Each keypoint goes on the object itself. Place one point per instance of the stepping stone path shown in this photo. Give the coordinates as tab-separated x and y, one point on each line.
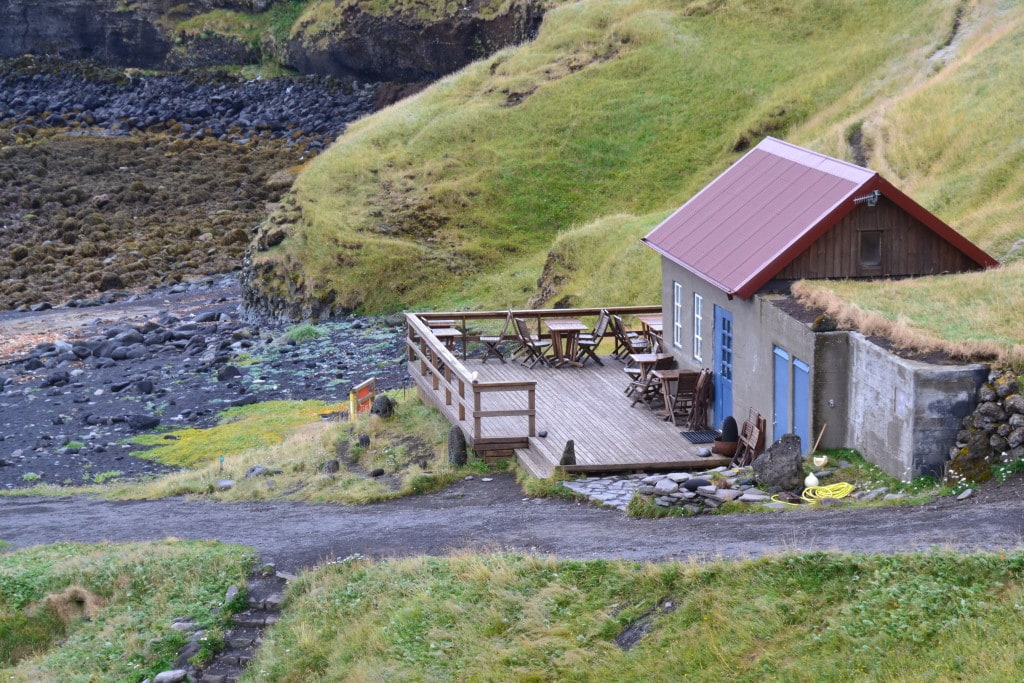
265	593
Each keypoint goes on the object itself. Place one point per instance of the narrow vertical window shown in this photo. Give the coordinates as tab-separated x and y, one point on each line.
677	315
698	327
870	249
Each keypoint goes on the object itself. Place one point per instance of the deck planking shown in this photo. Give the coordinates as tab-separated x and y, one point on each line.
587	405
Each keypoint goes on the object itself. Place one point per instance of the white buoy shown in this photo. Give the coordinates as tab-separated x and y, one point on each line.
810	480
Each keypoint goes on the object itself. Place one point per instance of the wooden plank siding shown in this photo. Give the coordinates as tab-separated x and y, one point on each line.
908	248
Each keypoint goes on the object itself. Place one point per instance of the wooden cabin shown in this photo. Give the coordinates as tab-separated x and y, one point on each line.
784	213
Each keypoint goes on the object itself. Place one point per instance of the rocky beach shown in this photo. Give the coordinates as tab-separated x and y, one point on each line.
116	180
76	383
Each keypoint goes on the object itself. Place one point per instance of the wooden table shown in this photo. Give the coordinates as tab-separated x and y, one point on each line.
646	363
565	332
448	335
653	327
666	377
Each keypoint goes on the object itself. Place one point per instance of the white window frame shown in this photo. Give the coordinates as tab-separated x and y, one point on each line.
698	327
677	315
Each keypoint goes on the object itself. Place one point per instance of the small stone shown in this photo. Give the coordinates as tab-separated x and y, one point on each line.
231	593
172	676
224	484
665	487
678	477
695	483
965	494
873	494
379	472
257	471
749	497
331	466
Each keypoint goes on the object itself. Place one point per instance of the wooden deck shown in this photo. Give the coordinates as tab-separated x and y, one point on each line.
588	406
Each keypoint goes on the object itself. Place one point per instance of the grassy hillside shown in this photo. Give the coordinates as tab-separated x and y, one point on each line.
818	617
564	151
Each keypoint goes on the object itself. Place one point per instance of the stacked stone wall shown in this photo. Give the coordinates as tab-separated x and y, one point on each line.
993	433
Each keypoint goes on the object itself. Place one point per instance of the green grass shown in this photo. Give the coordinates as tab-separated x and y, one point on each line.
815	617
275	23
290	440
556	156
301	333
241	429
77	612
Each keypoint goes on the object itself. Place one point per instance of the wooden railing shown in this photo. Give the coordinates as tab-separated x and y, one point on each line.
462	320
436	369
458	392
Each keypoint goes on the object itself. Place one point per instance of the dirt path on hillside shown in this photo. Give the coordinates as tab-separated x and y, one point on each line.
495	516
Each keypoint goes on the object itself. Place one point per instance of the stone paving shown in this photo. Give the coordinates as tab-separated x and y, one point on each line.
696	492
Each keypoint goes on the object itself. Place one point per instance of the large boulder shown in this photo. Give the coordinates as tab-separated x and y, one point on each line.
781	467
383	406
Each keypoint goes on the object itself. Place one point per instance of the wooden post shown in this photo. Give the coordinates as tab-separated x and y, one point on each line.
531	404
462	400
476	414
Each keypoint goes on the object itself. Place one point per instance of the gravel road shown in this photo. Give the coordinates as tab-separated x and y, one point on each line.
495	516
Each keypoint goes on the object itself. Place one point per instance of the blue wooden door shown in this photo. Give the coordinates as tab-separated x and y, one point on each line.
723	366
780	393
801	403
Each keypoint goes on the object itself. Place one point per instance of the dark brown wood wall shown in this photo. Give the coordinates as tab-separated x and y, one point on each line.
908	248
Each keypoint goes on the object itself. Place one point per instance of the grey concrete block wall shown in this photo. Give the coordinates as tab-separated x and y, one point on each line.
903	415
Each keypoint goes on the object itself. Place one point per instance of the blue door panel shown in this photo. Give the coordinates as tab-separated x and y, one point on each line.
723	366
802	403
780	412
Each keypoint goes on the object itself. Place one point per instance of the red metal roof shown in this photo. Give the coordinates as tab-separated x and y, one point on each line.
767	208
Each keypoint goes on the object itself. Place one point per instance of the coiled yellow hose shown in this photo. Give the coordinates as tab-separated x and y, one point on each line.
814	494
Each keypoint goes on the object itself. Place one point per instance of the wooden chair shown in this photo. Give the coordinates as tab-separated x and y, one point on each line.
646	387
702	394
589	341
683	399
751	443
533	349
492	343
627	341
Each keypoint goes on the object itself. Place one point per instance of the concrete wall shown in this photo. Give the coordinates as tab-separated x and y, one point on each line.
903	415
900	414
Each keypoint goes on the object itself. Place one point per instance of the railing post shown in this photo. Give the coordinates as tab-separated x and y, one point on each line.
462	400
531	404
447	385
476	412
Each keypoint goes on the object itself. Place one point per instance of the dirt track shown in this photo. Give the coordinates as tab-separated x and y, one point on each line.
479	515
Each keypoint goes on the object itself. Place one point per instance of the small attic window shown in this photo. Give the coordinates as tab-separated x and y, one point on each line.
870	249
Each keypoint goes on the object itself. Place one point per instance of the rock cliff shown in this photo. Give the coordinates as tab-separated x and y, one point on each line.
349	39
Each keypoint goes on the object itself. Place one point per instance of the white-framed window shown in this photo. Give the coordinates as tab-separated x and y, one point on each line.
677	315
698	326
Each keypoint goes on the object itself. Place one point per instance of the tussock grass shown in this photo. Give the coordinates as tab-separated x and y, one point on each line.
103	612
815	617
617	109
293	443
